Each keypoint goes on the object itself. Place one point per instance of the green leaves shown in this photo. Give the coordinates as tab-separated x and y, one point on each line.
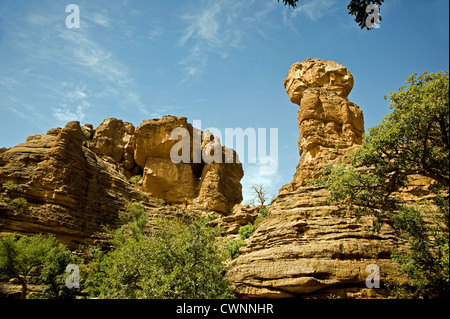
246	231
359	192
413	139
358	9
355	7
426	263
38	256
176	260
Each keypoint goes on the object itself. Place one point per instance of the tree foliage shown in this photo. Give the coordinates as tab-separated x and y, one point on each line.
39	258
355	7
412	139
177	260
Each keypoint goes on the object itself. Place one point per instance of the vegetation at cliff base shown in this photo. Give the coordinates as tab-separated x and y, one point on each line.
37	260
176	260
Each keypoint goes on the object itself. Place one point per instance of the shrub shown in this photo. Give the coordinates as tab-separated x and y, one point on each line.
177	260
246	231
263	212
10	185
160	201
135	179
19	203
87	135
233	247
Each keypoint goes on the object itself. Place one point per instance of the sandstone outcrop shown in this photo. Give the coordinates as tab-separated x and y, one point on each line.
330	126
212	186
161	177
70	191
300	249
112	138
76	179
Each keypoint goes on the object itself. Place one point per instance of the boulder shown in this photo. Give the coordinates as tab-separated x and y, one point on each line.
111	138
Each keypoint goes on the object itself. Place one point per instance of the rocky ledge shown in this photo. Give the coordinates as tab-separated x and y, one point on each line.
73	180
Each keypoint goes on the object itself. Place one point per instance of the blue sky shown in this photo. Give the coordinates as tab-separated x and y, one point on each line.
222	62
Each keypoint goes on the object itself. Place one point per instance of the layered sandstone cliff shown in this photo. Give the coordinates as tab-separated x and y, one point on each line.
76	179
300	249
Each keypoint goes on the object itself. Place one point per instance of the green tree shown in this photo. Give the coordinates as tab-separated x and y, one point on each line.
355	7
412	139
39	257
53	274
175	260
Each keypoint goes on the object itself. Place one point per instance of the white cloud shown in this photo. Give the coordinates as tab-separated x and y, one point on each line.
95	75
316	9
155	32
66	114
205	27
217	27
101	19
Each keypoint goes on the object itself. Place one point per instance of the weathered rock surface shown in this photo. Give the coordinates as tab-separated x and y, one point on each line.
70	191
76	179
112	138
240	216
220	187
214	186
330	125
300	249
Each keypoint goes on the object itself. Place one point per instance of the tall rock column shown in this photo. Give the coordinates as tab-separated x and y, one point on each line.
330	126
300	249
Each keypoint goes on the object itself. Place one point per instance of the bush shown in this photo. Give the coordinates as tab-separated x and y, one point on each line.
246	231
176	260
135	179
19	203
10	185
233	247
87	135
263	212
161	201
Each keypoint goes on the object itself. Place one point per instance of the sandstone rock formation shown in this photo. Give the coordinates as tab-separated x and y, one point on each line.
300	249
214	186
330	126
70	191
162	178
112	138
76	179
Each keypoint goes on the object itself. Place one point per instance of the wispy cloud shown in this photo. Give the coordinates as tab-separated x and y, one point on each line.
86	71
155	32
218	27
